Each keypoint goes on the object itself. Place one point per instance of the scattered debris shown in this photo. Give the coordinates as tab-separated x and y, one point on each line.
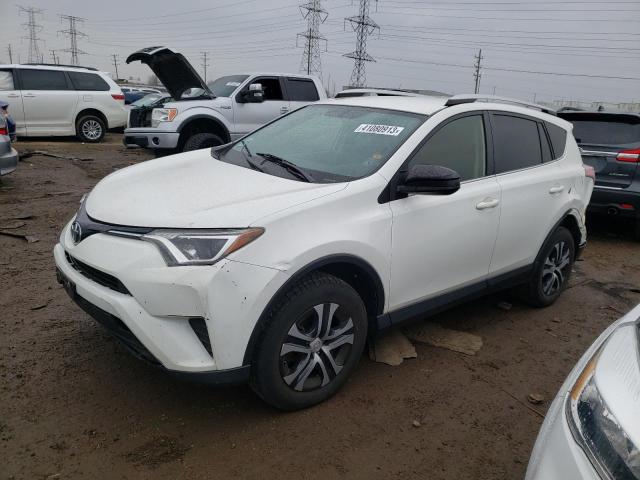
555	319
44	153
12	225
27	238
416	423
506	306
634	290
392	349
24	216
40	306
535	398
433	334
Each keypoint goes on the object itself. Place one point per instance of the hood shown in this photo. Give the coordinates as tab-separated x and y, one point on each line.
194	190
172	69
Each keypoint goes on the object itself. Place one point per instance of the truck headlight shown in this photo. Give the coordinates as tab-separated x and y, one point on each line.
200	247
162	115
597	430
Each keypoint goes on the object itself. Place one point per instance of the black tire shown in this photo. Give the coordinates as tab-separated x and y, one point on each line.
636	230
278	376
552	269
90	129
201	140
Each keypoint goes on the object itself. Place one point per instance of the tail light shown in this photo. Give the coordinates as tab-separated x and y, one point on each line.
4	130
631	156
118	96
589	172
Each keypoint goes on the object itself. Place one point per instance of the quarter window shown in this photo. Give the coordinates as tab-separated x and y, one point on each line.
458	145
6	80
301	90
516	143
35	79
558	138
88	82
544	143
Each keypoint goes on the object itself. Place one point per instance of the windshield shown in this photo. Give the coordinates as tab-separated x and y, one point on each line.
225	86
331	143
147	100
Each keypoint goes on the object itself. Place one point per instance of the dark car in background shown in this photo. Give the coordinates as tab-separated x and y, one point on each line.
610	143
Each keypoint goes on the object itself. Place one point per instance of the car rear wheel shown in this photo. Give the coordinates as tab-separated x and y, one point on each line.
90	129
202	140
552	269
314	339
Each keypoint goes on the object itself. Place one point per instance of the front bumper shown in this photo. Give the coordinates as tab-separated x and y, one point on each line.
8	162
150	138
605	201
154	314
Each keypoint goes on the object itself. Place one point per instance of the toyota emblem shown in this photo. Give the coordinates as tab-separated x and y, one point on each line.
76	232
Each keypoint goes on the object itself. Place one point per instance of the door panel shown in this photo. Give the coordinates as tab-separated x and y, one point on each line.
10	93
442	243
250	116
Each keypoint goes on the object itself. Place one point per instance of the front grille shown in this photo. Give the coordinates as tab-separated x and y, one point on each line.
96	275
199	327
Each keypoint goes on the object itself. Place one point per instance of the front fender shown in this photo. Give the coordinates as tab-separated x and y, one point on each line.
184	117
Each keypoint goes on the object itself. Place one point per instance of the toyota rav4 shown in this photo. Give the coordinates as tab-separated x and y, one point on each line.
272	259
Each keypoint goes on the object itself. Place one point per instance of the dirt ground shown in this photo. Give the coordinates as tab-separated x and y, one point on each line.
74	405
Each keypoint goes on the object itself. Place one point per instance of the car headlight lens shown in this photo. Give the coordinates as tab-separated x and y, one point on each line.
595	427
162	115
200	247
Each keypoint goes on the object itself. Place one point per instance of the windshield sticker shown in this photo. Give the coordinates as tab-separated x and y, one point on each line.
379	129
233	84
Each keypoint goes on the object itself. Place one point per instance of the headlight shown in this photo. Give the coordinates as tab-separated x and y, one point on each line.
162	115
200	247
595	427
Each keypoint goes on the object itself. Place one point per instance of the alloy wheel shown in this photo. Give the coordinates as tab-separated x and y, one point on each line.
554	270
316	347
92	129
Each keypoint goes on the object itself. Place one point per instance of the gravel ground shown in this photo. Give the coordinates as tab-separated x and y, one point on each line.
73	404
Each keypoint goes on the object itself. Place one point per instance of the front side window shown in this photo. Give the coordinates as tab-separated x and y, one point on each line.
88	82
332	143
225	86
35	79
271	88
516	143
458	145
6	80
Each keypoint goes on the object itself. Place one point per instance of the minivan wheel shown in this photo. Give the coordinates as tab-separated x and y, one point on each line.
313	341
90	129
552	269
201	140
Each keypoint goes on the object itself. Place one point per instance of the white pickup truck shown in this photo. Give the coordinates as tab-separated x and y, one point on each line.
208	115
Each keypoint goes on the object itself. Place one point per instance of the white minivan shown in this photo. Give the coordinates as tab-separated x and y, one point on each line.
57	100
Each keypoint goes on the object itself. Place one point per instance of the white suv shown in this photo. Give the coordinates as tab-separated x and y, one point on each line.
273	258
56	100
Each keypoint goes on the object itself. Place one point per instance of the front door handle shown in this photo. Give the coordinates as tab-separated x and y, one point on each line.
284	109
13	95
487	203
556	189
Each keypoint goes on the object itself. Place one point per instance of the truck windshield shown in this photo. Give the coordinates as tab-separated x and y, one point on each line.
225	86
331	143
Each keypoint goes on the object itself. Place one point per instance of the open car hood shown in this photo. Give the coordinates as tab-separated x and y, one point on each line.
172	69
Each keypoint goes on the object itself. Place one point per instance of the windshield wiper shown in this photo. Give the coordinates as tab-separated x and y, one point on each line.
248	155
287	165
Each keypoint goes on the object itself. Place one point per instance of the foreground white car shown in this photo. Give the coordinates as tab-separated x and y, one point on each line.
592	429
272	258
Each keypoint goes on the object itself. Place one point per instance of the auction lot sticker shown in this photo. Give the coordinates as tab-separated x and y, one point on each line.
379	129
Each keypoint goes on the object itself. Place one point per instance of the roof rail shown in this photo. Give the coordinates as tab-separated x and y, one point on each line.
471	98
60	65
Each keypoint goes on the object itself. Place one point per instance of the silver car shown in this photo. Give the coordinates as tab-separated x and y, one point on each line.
592	429
8	155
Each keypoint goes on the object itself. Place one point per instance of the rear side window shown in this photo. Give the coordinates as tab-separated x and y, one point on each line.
558	137
6	80
301	90
88	82
516	143
603	129
458	145
32	79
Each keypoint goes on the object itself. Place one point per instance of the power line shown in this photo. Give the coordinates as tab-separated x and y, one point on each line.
73	34
54	57
33	29
10	52
477	74
314	14
115	64
203	56
364	26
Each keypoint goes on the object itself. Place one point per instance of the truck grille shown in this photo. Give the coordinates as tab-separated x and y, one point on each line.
96	275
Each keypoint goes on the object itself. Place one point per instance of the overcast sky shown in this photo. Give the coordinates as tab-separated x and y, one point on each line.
422	44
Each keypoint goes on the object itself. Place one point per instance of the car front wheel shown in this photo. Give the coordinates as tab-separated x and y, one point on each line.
313	341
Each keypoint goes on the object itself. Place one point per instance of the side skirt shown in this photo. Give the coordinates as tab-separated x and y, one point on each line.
432	306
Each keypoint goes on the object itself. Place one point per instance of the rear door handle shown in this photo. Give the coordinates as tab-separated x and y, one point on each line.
556	189
487	203
28	95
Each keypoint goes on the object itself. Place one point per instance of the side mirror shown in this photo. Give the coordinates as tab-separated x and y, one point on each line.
255	94
430	179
